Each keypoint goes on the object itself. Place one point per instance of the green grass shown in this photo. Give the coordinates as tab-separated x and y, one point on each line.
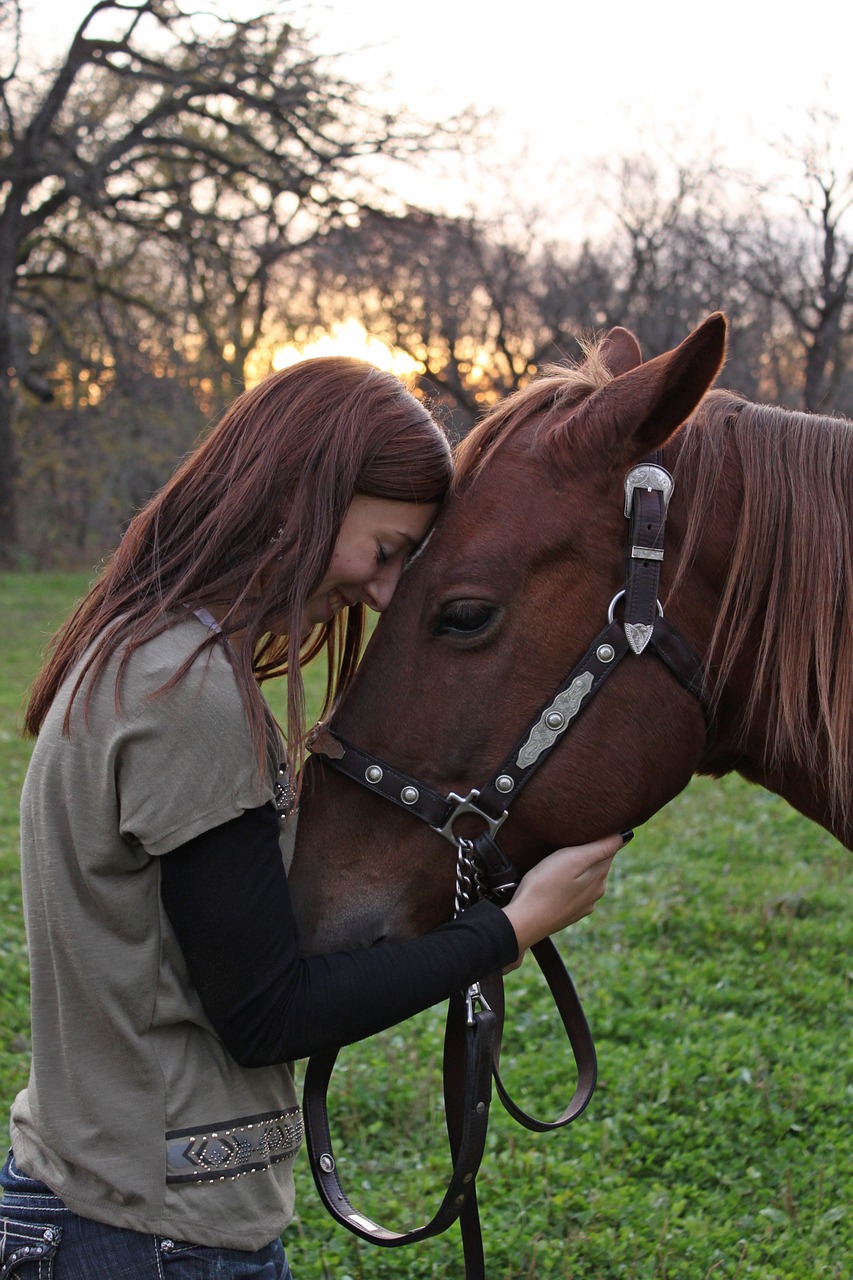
31	608
716	975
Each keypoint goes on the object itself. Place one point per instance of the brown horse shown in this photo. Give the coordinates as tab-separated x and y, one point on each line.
516	582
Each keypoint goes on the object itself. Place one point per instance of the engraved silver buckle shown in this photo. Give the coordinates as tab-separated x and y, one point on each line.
647	476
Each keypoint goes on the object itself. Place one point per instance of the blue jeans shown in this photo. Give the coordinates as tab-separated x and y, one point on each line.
41	1239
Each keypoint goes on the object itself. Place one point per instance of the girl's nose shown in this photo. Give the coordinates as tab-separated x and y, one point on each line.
378	592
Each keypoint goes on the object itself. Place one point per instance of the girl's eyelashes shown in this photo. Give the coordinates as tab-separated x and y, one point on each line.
382	554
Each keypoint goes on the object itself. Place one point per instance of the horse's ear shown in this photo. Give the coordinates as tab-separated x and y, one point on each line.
639	410
620	351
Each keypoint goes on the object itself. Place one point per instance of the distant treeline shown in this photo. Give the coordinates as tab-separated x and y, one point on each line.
173	210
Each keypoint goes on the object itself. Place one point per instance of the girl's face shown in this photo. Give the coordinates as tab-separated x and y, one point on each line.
375	540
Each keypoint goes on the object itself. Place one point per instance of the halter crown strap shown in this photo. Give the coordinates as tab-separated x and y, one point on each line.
648	488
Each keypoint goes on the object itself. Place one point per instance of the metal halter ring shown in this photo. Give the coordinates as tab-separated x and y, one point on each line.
465	804
611	608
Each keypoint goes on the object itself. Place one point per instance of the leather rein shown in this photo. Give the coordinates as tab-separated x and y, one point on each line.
475	1017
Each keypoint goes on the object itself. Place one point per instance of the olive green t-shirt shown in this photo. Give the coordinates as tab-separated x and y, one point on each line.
135	1114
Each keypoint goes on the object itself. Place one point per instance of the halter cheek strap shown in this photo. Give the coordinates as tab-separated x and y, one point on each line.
647	492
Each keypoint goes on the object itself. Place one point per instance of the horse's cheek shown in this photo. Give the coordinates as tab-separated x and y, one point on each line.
662	744
614	772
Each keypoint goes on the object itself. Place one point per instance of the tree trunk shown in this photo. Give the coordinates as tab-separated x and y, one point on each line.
8	461
820	356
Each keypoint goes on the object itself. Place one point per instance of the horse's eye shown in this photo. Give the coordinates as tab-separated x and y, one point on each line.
464	618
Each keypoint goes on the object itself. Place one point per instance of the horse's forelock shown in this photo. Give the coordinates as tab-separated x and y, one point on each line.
538	406
790	576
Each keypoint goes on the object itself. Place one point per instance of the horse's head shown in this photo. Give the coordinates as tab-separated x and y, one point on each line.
513	586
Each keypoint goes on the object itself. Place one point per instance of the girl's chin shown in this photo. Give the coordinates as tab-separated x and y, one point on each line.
319	612
316	618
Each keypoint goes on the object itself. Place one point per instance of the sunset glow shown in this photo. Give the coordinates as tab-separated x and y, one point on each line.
350	338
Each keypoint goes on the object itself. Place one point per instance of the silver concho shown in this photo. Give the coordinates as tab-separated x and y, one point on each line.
567	704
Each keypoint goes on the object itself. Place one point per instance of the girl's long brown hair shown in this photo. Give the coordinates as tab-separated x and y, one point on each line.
248	523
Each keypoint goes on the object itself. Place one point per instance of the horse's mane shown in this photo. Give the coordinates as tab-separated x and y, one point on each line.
545	398
790	576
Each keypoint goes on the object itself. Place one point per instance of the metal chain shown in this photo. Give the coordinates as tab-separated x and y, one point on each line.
470	883
470	887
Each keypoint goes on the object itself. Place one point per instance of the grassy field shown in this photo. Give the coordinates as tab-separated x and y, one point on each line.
716	975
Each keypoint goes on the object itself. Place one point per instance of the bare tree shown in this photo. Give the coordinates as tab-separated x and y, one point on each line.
661	210
800	263
225	142
479	306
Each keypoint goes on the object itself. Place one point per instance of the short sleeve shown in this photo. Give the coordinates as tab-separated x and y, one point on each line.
184	760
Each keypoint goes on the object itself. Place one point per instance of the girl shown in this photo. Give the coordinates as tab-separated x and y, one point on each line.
157	1133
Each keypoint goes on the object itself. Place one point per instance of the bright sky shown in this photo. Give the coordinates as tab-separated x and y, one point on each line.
571	83
575	81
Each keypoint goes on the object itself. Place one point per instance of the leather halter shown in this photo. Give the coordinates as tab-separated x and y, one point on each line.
472	1046
647	492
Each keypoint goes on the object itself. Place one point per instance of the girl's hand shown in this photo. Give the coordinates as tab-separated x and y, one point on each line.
561	889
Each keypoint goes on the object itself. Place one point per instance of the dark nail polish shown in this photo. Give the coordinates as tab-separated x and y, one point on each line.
627	837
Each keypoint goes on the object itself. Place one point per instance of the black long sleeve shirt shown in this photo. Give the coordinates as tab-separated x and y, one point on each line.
226	895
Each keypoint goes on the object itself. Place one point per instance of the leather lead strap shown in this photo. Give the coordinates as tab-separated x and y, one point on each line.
579	1035
472	1055
469	1050
456	1068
